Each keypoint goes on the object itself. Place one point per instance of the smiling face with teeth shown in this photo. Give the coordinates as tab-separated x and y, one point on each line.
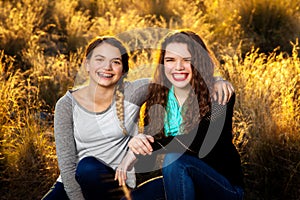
177	64
105	65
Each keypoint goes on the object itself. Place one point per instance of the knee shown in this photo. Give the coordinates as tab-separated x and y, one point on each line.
86	169
174	159
172	163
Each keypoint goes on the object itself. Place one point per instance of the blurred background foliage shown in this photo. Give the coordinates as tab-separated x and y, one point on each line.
255	41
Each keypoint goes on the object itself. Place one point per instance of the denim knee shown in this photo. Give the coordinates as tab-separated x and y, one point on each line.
86	170
171	158
172	163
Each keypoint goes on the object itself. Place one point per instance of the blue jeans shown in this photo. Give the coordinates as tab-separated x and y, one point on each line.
96	180
152	189
188	177
57	192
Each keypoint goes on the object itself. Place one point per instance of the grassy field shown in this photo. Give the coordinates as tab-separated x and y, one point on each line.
256	42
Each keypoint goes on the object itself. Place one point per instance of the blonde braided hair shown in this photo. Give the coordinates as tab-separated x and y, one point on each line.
120	106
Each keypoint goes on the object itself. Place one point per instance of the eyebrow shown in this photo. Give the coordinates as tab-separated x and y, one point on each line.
182	57
98	55
101	56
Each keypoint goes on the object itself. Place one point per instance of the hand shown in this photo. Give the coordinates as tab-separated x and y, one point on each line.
222	92
140	144
126	165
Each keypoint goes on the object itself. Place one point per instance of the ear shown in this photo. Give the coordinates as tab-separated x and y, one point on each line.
124	73
86	65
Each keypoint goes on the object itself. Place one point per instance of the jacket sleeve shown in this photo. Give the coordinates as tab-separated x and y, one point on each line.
65	146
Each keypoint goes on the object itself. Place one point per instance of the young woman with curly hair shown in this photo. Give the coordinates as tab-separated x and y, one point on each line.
184	123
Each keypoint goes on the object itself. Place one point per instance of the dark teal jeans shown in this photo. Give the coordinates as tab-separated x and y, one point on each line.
187	177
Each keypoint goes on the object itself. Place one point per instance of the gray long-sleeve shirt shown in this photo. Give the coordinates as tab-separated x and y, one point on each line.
80	133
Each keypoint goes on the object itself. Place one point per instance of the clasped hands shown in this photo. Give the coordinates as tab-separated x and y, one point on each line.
139	144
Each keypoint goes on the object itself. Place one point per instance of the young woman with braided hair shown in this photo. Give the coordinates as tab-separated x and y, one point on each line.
93	125
193	131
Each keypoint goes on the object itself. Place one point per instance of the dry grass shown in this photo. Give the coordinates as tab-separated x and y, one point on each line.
42	42
257	16
27	157
266	121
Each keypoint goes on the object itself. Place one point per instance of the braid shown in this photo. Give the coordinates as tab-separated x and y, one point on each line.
120	106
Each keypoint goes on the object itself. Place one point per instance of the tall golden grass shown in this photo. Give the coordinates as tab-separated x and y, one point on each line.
41	46
266	121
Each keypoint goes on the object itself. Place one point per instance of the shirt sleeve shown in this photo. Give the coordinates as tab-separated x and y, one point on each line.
136	91
65	146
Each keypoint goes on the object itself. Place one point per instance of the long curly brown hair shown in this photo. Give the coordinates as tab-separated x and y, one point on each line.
198	102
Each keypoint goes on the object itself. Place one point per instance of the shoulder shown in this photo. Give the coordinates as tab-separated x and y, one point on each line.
66	98
65	101
63	110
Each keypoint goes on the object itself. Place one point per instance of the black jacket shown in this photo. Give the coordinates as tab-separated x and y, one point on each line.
210	141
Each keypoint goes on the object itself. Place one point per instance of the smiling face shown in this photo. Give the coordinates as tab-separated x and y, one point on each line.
177	62
105	65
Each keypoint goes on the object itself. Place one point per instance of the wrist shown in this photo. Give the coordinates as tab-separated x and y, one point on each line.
131	155
218	78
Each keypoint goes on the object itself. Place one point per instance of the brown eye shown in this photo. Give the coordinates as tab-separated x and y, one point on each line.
116	62
100	60
169	60
188	60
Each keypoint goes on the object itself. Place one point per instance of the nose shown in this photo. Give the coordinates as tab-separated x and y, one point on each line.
179	65
107	65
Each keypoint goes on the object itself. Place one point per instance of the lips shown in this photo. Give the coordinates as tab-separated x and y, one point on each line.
180	76
104	75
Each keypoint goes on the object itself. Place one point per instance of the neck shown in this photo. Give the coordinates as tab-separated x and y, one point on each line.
181	94
101	95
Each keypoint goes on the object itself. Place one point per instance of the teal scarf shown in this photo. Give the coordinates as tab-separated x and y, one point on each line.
173	118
